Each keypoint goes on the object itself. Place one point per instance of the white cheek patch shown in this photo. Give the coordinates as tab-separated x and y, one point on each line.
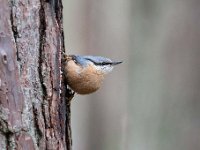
105	69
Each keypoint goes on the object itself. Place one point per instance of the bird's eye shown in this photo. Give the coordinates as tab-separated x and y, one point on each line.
74	60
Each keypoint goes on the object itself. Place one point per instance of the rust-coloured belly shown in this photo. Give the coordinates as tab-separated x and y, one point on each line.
83	80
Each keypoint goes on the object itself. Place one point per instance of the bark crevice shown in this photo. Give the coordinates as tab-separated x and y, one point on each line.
9	140
14	29
42	34
38	132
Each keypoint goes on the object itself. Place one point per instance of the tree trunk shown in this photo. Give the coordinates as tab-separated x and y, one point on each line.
34	101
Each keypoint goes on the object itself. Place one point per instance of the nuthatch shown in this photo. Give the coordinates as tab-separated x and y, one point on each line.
85	73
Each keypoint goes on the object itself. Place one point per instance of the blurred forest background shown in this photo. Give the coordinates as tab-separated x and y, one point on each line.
152	100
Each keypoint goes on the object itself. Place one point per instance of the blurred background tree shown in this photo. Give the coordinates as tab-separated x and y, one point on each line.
151	101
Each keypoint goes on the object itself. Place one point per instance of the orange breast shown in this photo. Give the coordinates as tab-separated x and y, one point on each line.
83	80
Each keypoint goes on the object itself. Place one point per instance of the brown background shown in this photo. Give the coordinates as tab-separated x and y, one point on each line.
151	101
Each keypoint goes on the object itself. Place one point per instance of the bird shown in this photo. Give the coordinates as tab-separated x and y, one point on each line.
85	74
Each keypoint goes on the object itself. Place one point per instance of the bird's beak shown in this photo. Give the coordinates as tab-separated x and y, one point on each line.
116	62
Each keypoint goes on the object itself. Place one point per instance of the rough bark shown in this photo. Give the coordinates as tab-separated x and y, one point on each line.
34	101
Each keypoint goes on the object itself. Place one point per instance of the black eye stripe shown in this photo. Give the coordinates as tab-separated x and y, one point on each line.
101	63
106	63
